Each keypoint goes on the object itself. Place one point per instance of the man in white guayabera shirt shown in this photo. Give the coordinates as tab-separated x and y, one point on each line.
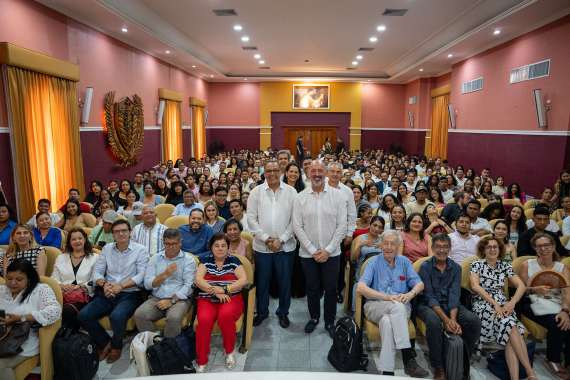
320	225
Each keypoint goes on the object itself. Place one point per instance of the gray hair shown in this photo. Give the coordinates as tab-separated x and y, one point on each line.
334	164
172	233
188	191
391	233
148	207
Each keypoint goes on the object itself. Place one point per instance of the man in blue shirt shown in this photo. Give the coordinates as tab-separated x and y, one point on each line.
118	273
389	283
170	275
196	234
220	197
6	224
439	305
188	205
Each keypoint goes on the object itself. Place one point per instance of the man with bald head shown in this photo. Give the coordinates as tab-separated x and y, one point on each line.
149	232
320	225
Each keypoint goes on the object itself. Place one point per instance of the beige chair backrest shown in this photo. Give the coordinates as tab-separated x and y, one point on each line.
517	262
164	211
52	253
465	272
418	264
176	221
90	220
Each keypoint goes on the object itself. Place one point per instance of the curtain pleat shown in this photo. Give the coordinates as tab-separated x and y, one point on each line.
198	131
172	131
439	126
44	120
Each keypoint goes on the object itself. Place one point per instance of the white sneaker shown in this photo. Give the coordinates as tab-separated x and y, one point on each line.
230	361
201	368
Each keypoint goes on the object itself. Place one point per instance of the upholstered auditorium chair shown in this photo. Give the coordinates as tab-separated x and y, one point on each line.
90	220
164	211
51	253
529	213
176	221
421	326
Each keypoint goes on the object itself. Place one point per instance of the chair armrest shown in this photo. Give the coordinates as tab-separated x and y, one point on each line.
47	335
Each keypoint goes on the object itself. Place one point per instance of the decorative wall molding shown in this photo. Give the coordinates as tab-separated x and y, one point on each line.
511	132
99	128
395	129
236	126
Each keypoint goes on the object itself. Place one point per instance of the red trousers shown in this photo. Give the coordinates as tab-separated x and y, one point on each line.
226	314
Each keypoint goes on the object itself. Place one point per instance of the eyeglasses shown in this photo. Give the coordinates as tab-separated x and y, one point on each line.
126	231
491	247
544	246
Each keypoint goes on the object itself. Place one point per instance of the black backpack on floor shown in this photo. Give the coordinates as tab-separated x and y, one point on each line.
346	353
170	356
456	357
74	355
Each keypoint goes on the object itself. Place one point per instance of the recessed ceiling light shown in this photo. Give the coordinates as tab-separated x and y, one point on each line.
244	78
194	66
359	57
381	28
497	32
421	69
211	75
262	62
167	51
245	38
354	63
373	39
450	55
124	29
257	56
237	27
368	80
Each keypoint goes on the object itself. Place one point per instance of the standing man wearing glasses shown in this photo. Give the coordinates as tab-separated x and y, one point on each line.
118	273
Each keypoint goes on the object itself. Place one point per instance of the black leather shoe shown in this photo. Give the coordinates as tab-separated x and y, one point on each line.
310	326
330	329
258	320
339	298
284	321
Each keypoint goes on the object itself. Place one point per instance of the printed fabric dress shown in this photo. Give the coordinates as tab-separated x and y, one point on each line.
493	280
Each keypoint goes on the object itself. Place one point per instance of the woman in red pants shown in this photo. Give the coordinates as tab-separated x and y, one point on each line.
220	278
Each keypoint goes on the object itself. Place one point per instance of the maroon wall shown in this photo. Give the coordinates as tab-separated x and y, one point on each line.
340	120
532	160
6	174
234	138
410	140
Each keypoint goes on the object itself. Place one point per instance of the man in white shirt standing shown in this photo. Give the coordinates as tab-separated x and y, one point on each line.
334	173
149	232
269	217
463	244
320	225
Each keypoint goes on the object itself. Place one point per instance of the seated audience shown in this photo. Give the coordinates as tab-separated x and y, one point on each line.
23	298
149	232
552	224
516	220
94	195
44	233
499	323
499	187
541	218
362	223
120	196
119	271
212	218
479	226
501	232
372	197
104	206
238	245
234	191
415	242
463	243
44	205
149	197
126	210
223	205
386	206
421	201
73	270
73	216
439	305
169	276
176	194
8	222
205	193
397	218
549	307
436	197
196	234
452	210
292	177
220	278
238	213
101	234
514	192
404	195
564	210
161	187
435	225
388	302
189	203
74	194
24	246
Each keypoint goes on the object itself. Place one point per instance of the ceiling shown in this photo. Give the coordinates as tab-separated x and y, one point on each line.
313	39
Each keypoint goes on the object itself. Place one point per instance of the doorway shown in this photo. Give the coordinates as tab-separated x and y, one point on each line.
313	138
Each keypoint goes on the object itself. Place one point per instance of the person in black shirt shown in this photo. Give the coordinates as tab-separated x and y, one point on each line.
222	204
452	210
541	218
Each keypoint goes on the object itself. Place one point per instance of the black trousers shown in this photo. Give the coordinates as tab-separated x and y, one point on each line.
321	277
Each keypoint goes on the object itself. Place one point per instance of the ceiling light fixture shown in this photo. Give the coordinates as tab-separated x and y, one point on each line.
237	27
244	78
421	69
194	66
257	56
124	29
354	63
359	57
373	39
211	75
450	55
167	51
381	28
245	38
497	32
262	62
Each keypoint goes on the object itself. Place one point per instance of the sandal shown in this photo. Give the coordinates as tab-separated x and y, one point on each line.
556	369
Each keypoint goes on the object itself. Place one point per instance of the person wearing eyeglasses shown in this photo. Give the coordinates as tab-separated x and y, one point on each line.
119	271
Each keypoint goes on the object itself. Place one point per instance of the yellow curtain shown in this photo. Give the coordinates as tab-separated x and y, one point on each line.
198	131
44	123
439	125
171	131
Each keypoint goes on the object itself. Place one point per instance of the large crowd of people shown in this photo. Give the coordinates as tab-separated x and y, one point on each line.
306	219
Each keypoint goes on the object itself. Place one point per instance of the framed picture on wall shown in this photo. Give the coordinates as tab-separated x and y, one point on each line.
311	96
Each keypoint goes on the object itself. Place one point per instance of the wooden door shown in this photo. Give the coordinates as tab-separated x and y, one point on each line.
313	138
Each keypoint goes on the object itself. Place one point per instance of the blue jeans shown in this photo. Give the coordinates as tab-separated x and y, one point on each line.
119	310
280	263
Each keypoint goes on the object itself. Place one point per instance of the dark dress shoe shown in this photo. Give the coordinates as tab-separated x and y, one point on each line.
258	320
310	326
284	321
330	329
414	370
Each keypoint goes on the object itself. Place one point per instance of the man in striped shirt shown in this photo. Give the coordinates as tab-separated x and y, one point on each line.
149	232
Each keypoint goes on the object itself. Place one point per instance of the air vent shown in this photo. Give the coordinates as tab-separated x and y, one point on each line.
472	86
264	67
394	12
365	49
249	47
532	71
225	12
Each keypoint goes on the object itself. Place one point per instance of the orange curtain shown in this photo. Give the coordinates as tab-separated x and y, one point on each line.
198	131
44	124
439	125
171	131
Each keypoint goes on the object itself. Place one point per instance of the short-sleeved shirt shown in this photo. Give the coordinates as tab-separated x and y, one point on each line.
6	231
219	277
382	277
29	254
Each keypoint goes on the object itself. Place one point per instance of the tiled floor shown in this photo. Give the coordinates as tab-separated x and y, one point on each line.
274	348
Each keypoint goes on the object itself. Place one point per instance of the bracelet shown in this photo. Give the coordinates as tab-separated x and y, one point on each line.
225	289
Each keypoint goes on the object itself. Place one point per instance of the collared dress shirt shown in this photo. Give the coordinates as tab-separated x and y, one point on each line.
441	289
462	248
382	277
179	284
151	237
115	266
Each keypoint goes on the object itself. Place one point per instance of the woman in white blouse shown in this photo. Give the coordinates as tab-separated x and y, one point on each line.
23	298
73	271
